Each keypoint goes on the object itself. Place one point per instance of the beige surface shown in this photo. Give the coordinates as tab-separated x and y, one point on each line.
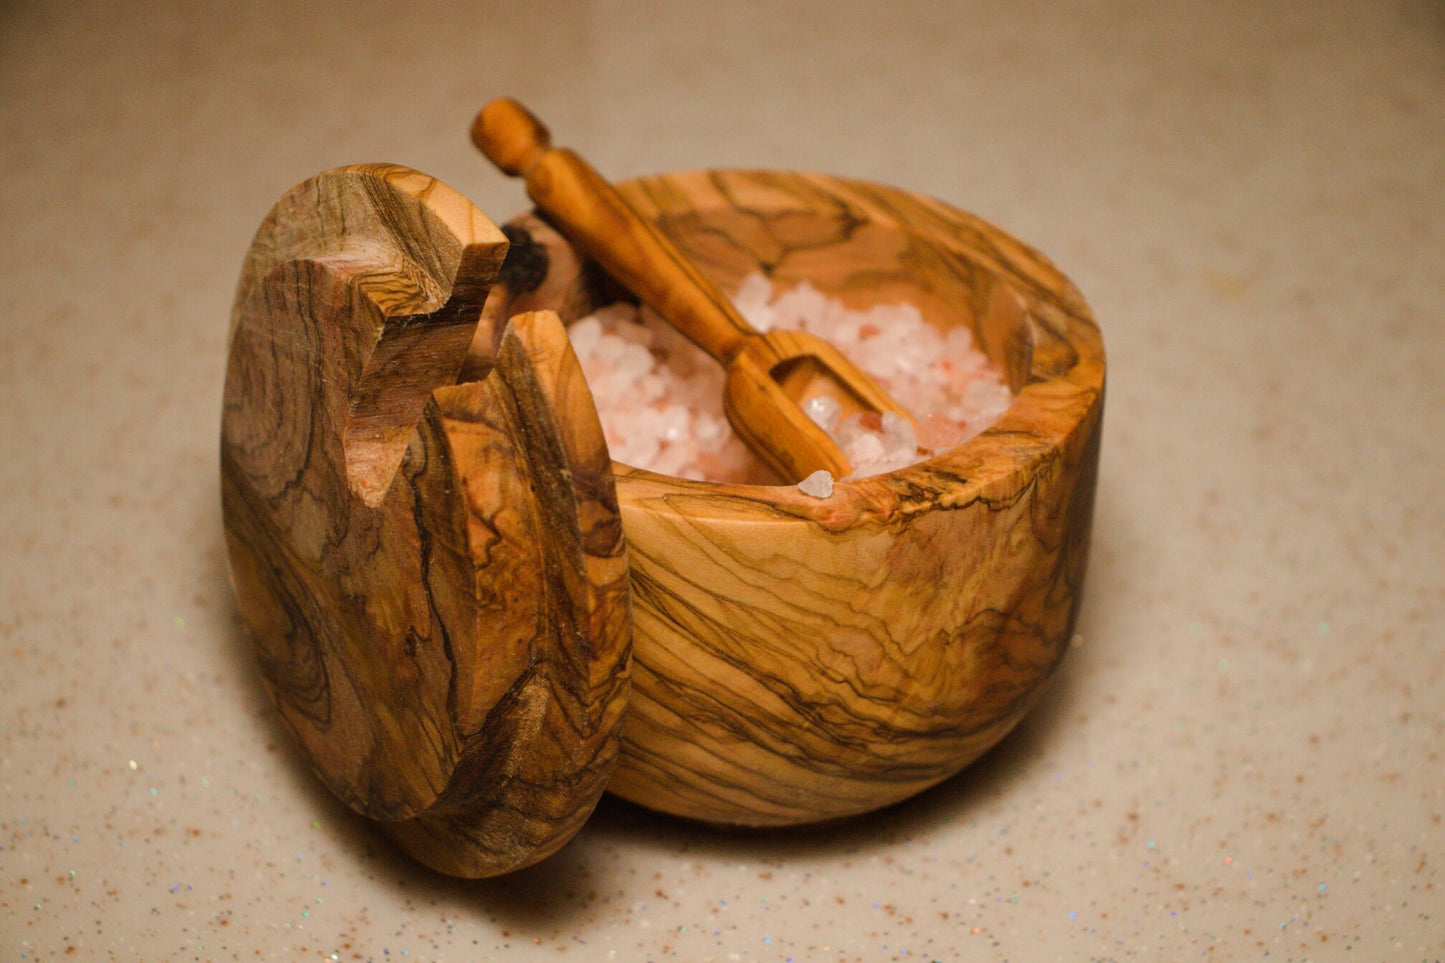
1241	760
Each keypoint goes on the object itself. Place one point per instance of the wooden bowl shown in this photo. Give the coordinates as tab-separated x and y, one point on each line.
796	659
472	621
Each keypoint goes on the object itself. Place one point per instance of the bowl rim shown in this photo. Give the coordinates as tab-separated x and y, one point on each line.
1063	384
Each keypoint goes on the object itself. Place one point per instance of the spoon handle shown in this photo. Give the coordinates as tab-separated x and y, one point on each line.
590	212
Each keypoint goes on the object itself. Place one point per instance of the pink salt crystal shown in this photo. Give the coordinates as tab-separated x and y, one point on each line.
823	411
898	435
709	433
848	430
819	484
751	300
633	361
988	399
958	340
862	450
675	425
938	433
674	459
636	450
795	307
584	335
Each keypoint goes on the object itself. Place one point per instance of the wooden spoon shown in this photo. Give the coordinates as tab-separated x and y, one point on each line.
769	374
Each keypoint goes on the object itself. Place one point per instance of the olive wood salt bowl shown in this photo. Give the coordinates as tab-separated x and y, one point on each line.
473	622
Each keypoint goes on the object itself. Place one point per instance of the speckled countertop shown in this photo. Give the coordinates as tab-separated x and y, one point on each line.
1240	761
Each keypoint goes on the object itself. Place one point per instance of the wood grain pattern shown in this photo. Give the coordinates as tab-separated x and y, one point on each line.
797	659
434	575
768	374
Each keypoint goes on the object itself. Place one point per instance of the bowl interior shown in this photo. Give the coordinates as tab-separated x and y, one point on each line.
863	264
864	245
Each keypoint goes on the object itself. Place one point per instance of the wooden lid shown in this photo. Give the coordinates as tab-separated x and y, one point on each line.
433	575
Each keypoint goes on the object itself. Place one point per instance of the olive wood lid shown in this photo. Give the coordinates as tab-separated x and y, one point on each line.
433	575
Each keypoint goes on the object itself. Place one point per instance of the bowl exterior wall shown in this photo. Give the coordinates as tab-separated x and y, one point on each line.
799	660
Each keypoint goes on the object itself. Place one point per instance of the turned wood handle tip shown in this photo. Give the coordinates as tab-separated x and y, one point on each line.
510	136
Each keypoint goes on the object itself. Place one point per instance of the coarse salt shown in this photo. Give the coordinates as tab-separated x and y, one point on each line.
819	484
660	397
